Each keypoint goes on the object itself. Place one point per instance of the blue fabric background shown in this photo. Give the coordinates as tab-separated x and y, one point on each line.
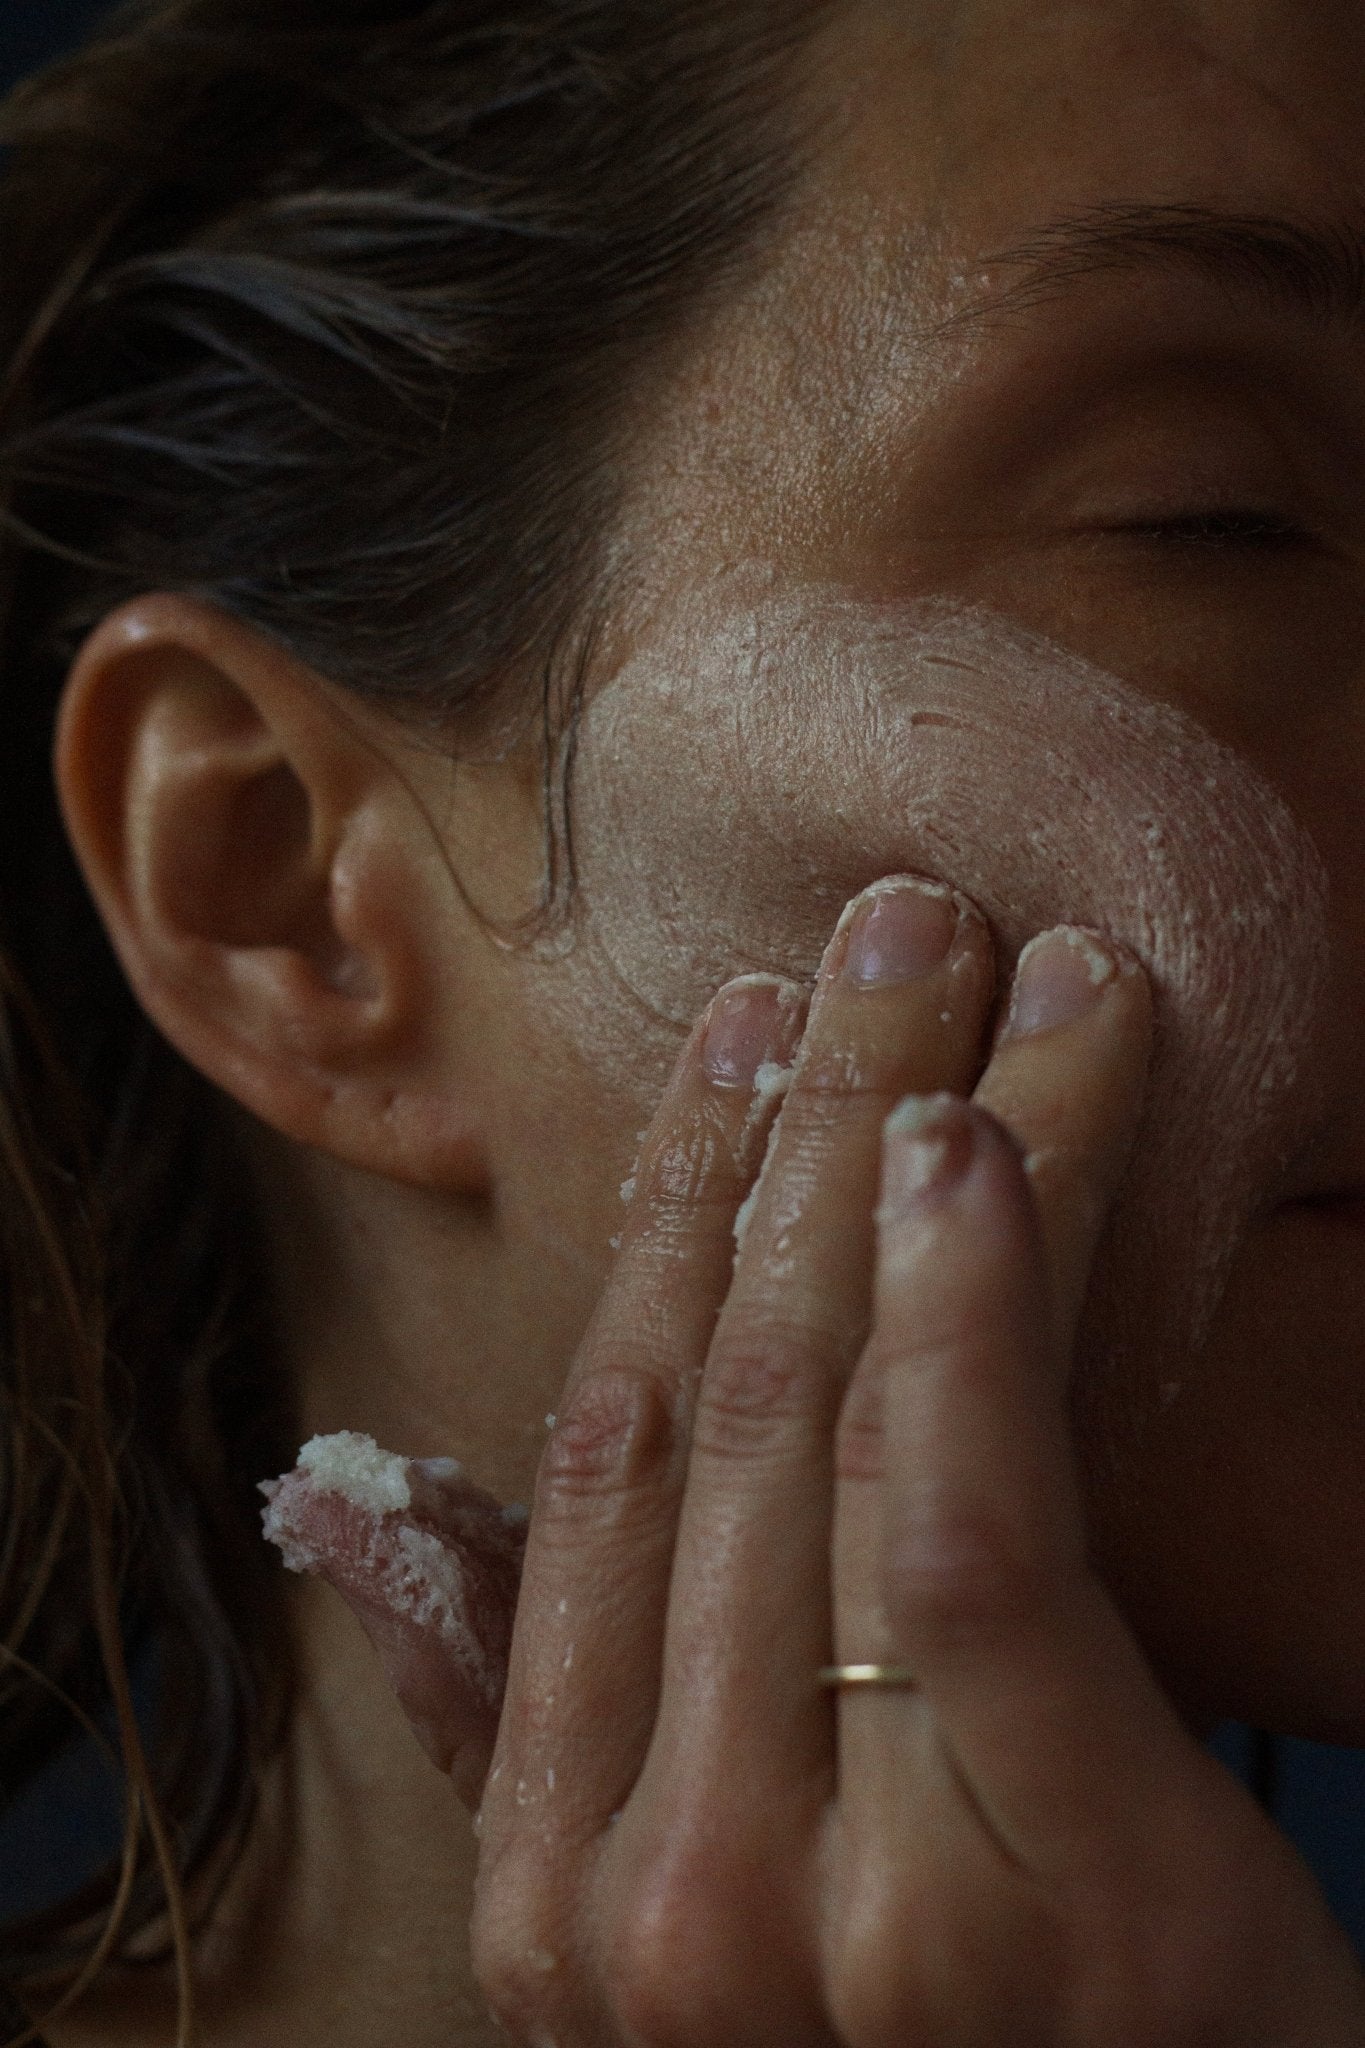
1318	1797
31	31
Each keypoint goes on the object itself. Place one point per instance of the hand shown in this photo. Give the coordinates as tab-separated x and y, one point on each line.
857	1447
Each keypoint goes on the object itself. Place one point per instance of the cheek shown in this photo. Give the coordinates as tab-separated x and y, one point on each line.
740	782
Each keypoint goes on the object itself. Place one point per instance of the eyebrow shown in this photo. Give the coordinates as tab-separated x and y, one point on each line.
1317	270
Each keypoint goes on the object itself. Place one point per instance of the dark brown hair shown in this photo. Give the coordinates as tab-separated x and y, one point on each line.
320	310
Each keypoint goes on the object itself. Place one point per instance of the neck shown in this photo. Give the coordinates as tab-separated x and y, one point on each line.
351	1914
346	1920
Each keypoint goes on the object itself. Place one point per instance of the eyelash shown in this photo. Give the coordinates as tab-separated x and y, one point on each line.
1238	527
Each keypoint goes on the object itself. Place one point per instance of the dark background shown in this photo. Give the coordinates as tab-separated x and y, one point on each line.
1317	1794
31	31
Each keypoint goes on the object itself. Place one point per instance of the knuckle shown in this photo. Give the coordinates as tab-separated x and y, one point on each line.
830	1076
868	2008
944	1989
834	1095
877	1987
515	1949
672	1963
954	1332
762	1391
613	1436
832	1102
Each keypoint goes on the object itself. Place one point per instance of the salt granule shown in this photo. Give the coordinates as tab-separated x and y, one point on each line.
772	1079
771	1084
354	1466
744	1214
428	1583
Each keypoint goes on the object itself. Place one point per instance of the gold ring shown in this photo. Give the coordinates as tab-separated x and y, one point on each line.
867	1674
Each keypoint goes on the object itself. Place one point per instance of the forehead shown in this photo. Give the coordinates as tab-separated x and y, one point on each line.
982	112
946	137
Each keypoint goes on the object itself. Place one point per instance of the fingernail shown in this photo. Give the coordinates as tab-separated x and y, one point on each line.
928	1142
1061	974
752	1021
897	931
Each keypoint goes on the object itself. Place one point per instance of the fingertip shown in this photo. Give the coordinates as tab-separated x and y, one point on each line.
1064	976
930	1146
752	1022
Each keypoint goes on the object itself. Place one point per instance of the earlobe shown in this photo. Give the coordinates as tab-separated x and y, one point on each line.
265	886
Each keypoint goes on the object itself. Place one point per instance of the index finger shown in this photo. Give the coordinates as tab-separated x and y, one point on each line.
588	1644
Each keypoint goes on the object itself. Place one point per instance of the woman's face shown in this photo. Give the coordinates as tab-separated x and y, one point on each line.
1010	527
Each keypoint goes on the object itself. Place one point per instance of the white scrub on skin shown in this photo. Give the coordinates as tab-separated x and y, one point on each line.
774	752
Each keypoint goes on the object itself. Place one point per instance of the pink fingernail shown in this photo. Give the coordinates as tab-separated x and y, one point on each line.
753	1021
900	931
1060	976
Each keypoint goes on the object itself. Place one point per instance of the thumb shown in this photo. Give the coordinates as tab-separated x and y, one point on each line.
430	1565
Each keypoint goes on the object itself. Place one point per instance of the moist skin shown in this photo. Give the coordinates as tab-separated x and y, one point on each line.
775	751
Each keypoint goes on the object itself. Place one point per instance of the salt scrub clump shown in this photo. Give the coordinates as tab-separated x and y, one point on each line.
354	1466
429	1562
772	753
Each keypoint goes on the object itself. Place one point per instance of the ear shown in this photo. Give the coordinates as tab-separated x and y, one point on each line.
271	887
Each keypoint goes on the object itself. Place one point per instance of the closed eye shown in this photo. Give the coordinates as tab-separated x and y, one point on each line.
1236	528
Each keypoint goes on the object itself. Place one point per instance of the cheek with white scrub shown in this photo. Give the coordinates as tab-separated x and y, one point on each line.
772	753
